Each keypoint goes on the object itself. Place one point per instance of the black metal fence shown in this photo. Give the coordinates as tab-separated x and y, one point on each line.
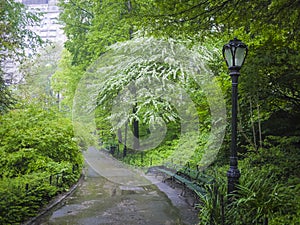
56	179
22	197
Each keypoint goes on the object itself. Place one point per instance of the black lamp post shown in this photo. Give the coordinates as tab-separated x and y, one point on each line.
234	54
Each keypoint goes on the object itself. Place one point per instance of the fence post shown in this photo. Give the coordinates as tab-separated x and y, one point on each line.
222	209
75	167
142	158
62	178
112	149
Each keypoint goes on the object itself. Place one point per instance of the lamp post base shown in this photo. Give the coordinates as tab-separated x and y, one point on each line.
233	176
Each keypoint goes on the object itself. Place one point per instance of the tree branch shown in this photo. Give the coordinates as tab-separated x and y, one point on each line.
82	9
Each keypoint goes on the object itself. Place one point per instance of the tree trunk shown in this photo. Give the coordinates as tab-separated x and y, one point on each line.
136	133
125	140
119	135
259	126
252	124
129	8
135	123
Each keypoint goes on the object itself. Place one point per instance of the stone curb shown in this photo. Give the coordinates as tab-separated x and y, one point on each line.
55	202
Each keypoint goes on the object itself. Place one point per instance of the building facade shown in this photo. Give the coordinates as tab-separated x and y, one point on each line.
50	30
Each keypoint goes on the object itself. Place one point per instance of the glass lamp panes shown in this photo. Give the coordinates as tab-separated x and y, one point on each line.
228	56
239	56
235	53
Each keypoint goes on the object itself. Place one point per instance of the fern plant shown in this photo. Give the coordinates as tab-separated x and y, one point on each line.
259	199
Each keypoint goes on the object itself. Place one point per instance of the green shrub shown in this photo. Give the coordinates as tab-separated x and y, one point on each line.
39	158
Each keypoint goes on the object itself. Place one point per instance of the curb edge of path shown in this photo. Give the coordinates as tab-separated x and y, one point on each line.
57	200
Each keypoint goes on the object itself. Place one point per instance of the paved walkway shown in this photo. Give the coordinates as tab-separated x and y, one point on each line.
113	170
115	194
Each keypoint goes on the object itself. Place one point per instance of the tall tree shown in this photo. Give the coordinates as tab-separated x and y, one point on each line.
15	38
93	25
38	71
271	75
65	80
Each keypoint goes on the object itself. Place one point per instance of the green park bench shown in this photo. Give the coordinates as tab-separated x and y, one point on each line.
191	179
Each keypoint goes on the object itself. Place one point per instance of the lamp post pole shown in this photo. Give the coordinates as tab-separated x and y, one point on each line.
234	54
233	173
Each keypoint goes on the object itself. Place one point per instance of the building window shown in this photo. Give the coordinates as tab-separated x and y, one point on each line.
33	2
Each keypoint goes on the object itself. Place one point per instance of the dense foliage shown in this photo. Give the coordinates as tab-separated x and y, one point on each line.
91	26
39	158
268	127
38	143
39	155
268	190
270	78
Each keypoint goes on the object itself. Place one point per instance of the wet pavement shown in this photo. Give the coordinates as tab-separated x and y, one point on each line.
114	194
